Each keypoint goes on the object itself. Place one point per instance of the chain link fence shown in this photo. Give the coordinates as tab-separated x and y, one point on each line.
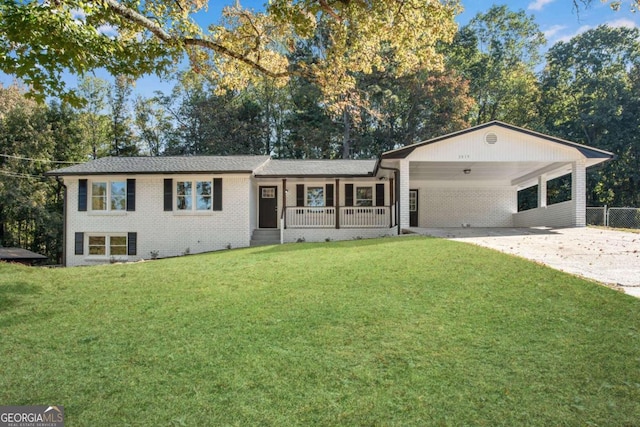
614	217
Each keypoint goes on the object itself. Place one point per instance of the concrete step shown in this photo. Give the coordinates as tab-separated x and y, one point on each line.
265	237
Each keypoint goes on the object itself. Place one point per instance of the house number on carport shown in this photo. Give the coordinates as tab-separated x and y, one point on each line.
464	156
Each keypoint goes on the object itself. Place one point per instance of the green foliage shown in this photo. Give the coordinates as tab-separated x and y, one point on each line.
590	92
31	136
356	333
497	52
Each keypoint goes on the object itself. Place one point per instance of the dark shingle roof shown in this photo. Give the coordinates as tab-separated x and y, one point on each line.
155	165
318	168
16	254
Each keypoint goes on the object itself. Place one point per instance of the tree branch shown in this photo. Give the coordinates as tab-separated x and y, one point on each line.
159	32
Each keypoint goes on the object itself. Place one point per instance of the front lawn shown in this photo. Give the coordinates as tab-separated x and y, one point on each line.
402	331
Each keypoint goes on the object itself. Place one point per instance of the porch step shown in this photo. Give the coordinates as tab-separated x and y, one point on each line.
265	237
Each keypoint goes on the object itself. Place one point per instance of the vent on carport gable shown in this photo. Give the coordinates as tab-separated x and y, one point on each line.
490	138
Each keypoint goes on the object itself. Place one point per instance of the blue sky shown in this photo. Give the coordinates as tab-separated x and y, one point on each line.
558	19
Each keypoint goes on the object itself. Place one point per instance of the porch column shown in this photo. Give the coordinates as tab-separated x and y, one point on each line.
404	193
284	201
579	192
542	191
336	203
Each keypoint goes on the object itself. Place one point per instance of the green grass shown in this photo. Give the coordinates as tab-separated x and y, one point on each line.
404	331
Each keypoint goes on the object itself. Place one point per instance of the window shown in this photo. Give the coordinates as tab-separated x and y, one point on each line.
413	201
183	192
97	245
114	192
186	199
108	245
269	193
99	196
364	196
315	196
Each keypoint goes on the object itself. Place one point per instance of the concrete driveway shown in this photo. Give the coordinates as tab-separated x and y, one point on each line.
607	256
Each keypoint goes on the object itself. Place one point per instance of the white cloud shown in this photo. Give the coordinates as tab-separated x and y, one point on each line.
577	32
552	31
538	4
622	22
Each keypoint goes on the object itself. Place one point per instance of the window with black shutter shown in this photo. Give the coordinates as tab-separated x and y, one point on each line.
217	194
299	194
132	243
79	244
348	194
131	195
379	194
329	195
82	195
168	194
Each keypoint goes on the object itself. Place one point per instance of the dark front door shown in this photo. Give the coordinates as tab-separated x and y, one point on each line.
413	208
268	207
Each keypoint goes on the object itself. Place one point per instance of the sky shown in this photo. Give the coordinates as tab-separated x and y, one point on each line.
557	19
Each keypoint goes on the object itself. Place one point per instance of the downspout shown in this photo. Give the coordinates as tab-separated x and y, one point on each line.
64	222
396	173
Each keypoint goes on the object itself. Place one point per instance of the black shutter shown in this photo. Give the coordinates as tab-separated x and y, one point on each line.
348	194
300	195
131	195
379	194
328	197
168	194
82	195
132	243
79	250
217	194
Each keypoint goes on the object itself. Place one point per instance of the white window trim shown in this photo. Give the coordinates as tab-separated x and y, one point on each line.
108	210
355	195
107	254
194	198
306	195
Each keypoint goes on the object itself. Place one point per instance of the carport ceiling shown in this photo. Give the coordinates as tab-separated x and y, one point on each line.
522	174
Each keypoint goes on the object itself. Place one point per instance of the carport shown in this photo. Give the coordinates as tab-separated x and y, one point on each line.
471	178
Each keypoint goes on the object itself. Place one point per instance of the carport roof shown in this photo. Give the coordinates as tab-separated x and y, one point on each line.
588	152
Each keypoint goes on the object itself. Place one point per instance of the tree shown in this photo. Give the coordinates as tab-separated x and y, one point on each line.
497	52
122	139
154	124
136	38
590	92
93	120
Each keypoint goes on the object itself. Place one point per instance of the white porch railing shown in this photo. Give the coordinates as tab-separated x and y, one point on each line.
364	217
311	217
350	217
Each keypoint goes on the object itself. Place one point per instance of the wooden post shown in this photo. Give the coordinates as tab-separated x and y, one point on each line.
392	202
336	203
284	201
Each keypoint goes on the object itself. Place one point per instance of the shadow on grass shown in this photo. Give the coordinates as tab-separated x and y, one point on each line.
10	294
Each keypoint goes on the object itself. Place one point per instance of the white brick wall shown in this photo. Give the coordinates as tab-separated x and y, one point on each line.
321	235
441	206
556	215
169	233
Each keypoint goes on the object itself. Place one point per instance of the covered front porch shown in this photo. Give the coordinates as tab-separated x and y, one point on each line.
320	200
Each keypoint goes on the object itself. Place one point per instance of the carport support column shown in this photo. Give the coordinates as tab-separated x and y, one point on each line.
542	191
404	193
579	192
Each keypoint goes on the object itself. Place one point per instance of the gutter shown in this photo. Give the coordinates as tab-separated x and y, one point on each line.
64	221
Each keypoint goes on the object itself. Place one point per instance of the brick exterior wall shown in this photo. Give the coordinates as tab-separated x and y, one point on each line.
556	215
321	235
169	233
476	206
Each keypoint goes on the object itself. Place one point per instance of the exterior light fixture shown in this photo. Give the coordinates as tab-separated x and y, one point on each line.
467	171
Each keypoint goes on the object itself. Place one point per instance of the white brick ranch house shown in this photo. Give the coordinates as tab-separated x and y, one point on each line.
141	207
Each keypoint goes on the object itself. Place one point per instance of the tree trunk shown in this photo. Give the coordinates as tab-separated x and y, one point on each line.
346	136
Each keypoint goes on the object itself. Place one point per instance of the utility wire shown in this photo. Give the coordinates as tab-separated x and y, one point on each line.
39	160
21	175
